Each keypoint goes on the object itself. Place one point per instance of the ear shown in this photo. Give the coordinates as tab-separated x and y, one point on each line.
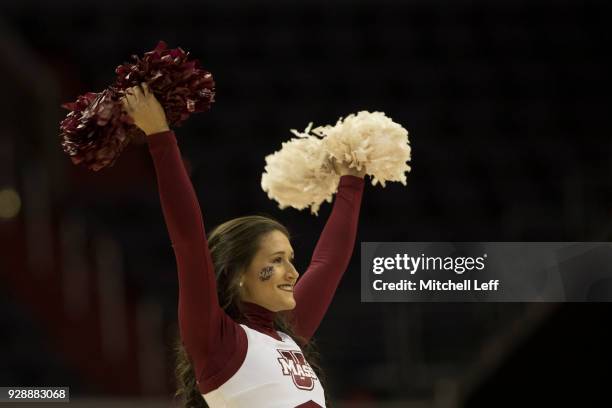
241	283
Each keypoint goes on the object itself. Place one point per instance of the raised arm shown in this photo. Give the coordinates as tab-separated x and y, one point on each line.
212	340
315	289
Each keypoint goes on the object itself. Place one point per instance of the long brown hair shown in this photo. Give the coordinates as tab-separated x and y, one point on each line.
233	246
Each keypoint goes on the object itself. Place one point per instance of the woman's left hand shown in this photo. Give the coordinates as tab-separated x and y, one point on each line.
342	169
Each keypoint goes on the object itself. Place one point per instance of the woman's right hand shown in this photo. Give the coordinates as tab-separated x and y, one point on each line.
145	109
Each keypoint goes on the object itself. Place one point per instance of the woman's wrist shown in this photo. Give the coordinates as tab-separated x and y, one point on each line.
155	130
355	173
343	169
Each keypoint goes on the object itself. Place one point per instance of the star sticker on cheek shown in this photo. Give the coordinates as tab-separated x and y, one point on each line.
266	273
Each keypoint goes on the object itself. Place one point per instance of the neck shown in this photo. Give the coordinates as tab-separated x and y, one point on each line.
258	318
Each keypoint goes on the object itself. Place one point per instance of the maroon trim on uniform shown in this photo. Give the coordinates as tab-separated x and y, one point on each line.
260	319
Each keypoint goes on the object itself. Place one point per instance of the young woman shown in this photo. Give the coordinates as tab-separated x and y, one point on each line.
245	320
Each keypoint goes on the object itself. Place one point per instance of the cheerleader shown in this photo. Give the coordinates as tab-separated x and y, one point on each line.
246	321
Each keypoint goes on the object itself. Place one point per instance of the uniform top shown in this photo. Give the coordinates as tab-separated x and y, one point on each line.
216	344
274	374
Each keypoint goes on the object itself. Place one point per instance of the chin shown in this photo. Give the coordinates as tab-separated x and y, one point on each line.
288	305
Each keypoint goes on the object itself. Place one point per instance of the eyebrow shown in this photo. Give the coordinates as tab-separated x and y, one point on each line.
282	252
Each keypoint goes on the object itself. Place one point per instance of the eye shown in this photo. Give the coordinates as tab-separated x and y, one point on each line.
277	260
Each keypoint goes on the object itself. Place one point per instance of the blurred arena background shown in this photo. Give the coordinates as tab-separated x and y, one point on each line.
506	106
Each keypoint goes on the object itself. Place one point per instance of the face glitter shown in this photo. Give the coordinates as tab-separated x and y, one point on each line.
266	273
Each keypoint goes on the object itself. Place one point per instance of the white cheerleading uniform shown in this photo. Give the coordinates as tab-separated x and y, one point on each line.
273	374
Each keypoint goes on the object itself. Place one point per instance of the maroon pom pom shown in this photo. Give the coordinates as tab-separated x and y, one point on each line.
96	130
180	85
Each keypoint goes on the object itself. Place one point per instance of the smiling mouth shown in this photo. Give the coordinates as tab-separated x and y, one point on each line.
286	288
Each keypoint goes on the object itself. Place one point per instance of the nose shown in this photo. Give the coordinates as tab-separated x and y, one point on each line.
292	272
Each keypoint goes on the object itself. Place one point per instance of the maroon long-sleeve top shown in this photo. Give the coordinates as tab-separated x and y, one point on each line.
216	344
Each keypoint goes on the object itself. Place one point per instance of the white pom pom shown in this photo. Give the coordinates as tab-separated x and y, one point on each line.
299	175
302	174
371	141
